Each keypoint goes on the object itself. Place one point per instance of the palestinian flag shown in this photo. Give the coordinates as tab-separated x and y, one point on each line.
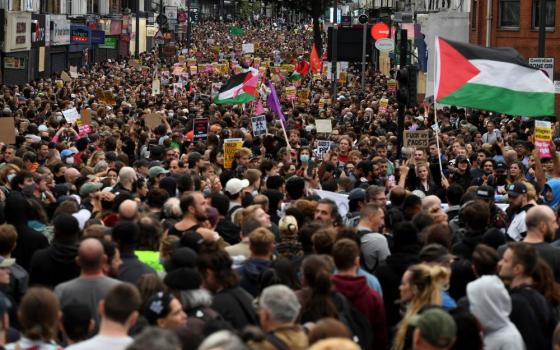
495	79
301	71
240	88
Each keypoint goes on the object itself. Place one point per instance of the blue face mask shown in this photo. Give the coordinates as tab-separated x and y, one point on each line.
304	158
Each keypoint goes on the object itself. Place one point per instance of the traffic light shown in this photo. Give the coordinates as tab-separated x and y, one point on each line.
407	78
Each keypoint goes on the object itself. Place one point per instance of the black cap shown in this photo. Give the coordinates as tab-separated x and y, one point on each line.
184	278
357	194
501	166
180	257
460	159
485	192
516	189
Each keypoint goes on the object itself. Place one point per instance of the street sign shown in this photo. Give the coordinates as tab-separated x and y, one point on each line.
546	64
161	20
363	19
385	45
380	30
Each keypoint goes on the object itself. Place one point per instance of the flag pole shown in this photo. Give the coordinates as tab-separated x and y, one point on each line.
435	108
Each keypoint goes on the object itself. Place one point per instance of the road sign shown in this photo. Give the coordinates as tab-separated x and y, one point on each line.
363	19
546	64
380	30
385	45
161	20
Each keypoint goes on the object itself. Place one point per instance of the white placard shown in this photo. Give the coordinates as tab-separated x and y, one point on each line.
71	115
259	125
557	86
323	125
546	64
156	85
340	199
323	147
74	72
248	48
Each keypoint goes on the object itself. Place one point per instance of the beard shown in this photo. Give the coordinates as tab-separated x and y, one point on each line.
200	216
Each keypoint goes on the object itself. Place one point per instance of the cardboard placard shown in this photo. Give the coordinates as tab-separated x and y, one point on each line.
200	129
248	48
71	115
303	95
416	139
543	137
73	72
152	120
65	77
230	147
156	87
323	125
7	130
85	116
259	125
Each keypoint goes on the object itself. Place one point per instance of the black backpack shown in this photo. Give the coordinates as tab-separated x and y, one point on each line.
355	321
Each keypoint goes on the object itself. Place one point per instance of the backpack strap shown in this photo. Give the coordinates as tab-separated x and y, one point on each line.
278	343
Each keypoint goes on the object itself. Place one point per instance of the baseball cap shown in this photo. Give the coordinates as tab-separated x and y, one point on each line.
67	153
156	170
515	189
436	326
460	159
485	192
89	187
235	185
501	166
157	306
357	194
435	253
4	262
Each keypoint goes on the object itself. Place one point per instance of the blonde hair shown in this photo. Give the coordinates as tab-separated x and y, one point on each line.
288	226
428	282
335	344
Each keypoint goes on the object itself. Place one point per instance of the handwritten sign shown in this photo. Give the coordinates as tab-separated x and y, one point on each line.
259	125
230	147
416	139
543	136
71	115
248	48
156	87
323	125
323	147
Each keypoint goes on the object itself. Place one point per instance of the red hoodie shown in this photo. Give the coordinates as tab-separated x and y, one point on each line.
368	302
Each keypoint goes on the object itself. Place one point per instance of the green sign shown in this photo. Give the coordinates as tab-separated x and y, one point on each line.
110	43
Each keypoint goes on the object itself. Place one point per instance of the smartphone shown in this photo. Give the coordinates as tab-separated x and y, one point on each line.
310	168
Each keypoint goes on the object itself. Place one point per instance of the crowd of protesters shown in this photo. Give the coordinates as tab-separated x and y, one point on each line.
129	237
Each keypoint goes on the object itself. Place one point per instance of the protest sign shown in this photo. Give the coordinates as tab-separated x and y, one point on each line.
85	116
383	103
230	147
303	95
340	199
156	86
291	93
152	120
73	71
193	70
259	125
7	130
543	137
248	48
416	139
323	147
71	115
200	129
323	125
84	129
65	77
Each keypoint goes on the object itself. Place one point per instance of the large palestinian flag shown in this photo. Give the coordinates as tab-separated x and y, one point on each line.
240	88
495	79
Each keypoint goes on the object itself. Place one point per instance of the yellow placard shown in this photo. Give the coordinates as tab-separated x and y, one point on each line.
291	92
230	147
193	70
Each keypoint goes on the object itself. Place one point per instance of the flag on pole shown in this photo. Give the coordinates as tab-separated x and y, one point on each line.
274	105
495	79
316	62
301	71
240	88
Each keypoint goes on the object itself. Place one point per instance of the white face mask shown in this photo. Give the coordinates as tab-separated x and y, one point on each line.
10	177
70	160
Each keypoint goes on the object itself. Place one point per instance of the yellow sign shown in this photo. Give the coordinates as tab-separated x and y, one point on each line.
193	69
291	92
230	147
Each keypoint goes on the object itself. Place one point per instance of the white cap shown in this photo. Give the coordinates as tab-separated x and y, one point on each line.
419	118
43	127
235	185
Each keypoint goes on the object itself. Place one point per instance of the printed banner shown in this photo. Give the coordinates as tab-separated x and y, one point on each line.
259	125
200	129
230	147
543	137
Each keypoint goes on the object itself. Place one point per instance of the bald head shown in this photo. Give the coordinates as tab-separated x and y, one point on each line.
537	215
126	175
91	255
128	209
71	175
431	201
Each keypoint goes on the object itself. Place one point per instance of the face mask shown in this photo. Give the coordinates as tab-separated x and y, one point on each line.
389	147
70	160
304	158
171	114
10	177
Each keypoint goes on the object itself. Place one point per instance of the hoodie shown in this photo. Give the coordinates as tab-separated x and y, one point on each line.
54	265
366	301
490	303
554	186
250	273
229	231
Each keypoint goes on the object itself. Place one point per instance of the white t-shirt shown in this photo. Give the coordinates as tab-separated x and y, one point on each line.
517	226
102	342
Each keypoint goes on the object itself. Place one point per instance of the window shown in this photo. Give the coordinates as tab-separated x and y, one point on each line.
474	14
509	13
550	12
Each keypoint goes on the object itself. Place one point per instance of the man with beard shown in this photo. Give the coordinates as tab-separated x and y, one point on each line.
517	210
190	230
541	230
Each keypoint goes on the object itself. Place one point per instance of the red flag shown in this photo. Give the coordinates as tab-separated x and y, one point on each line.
316	63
